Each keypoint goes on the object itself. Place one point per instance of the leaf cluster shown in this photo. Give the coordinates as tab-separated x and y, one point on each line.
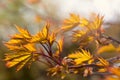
25	49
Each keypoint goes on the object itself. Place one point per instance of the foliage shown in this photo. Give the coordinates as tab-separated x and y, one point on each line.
47	46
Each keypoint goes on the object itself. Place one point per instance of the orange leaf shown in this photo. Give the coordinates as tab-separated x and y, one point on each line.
115	71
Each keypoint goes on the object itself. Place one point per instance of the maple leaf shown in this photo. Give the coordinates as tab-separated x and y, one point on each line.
15	47
71	22
42	35
23	49
18	40
80	57
19	59
15	42
96	23
45	30
23	33
78	34
83	22
51	38
17	36
82	37
30	47
60	44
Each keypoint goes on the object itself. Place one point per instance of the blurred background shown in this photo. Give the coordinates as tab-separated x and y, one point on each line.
32	14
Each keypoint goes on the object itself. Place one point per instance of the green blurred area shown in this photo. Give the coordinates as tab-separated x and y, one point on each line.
23	13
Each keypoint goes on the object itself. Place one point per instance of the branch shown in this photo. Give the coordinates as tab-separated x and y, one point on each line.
82	66
110	38
113	59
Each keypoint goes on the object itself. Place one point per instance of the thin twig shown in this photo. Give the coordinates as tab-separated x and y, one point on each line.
113	59
51	54
110	38
50	49
44	47
85	65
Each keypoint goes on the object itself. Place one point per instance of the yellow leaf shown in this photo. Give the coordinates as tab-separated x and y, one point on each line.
80	57
78	34
102	70
60	44
19	59
16	61
14	42
82	37
14	47
51	38
45	30
18	40
21	64
42	35
30	47
23	32
96	23
17	36
84	22
71	22
37	37
106	48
